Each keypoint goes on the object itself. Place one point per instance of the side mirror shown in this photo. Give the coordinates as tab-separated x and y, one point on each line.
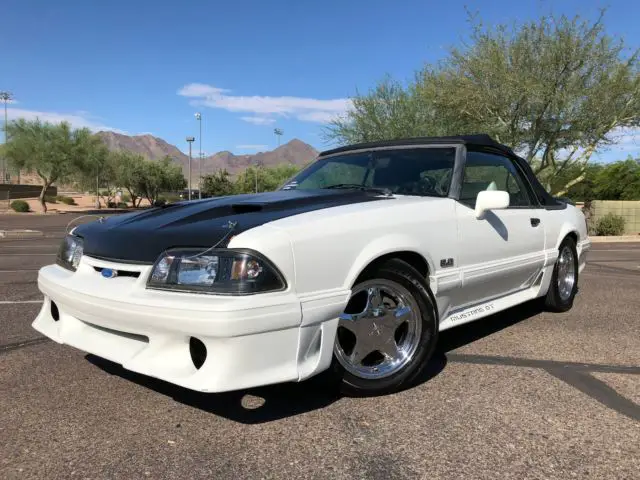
491	200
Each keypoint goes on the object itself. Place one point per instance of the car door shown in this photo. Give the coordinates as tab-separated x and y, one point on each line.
502	252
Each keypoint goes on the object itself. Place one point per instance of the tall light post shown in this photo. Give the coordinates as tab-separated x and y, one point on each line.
5	97
278	132
256	175
199	118
190	140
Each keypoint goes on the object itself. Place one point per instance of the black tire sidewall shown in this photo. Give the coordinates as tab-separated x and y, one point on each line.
554	301
403	274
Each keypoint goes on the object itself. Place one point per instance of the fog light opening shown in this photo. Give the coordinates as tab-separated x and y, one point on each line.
55	313
198	352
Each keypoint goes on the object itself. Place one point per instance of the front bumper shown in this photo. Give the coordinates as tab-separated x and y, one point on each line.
250	341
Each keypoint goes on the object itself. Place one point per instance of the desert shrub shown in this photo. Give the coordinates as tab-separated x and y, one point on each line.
50	200
66	200
610	224
20	206
122	205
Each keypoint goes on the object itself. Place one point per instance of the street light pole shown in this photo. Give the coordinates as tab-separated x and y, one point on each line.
256	175
190	140
199	118
6	97
278	132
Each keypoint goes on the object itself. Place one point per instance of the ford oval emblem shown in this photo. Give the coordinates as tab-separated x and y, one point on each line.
109	273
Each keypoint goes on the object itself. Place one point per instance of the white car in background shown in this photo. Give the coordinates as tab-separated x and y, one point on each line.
352	268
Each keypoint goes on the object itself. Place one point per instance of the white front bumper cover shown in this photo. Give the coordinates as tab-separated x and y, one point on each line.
250	340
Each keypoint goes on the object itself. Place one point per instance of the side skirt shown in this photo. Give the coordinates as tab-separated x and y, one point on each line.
489	307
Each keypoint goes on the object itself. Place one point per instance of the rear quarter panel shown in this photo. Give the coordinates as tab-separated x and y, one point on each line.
560	223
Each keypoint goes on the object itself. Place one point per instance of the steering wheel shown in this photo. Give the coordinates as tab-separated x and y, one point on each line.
443	186
426	185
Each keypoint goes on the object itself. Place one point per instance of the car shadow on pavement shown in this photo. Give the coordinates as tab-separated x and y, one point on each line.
274	402
249	406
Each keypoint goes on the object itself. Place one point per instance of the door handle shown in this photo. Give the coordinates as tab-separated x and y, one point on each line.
535	222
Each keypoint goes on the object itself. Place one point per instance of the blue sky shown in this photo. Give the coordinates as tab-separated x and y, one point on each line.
138	66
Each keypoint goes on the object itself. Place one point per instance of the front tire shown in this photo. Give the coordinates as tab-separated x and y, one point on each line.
564	282
387	333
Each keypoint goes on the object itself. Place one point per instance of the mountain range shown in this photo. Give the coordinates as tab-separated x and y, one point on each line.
294	152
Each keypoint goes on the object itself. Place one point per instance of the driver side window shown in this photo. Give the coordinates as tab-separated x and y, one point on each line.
488	171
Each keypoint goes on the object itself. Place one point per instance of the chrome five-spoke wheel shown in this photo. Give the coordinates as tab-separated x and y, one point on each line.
379	331
564	282
566	273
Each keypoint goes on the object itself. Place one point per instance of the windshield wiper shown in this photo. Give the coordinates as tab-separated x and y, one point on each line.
356	186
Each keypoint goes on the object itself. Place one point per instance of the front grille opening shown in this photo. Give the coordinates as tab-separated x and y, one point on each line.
55	313
130	336
198	352
120	273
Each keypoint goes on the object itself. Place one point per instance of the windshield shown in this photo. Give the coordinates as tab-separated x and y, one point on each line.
410	171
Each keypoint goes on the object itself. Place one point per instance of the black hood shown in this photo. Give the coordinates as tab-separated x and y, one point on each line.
142	236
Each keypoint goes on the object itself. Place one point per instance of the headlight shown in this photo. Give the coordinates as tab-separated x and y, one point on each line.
70	252
230	272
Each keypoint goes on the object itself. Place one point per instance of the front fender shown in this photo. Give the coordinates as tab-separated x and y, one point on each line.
381	246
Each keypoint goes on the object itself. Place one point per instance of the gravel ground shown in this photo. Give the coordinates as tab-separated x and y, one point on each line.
522	394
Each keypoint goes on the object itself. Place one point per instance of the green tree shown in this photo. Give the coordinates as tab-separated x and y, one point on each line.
618	181
274	177
55	152
246	180
268	178
584	190
97	172
218	184
555	90
163	175
130	172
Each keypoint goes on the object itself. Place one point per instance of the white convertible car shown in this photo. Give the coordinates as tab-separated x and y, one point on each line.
352	268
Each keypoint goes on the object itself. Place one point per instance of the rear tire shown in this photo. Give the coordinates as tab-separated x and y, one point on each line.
564	282
387	334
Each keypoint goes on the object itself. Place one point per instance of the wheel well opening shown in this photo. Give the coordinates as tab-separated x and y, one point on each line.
414	259
572	235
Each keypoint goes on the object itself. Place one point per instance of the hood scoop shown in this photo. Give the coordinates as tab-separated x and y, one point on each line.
247	207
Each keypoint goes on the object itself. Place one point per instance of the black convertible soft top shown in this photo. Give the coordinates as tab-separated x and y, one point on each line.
481	140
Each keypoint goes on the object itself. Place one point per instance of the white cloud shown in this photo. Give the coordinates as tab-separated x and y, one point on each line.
77	119
252	147
259	120
302	108
200	90
318	116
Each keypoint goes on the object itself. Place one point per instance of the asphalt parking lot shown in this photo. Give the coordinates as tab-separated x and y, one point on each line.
521	394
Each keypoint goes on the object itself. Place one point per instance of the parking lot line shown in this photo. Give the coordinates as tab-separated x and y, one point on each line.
27	254
13	302
18	271
23	246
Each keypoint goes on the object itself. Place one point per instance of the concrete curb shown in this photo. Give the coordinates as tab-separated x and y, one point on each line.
616	239
20	233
